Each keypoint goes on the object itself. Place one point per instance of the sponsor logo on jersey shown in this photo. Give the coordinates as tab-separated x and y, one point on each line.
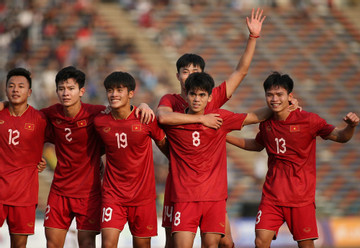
29	126
106	129
136	127
150	227
2	122
81	123
307	229
30	224
294	128
221	224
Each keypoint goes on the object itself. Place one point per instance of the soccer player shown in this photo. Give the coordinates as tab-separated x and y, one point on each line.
198	168
76	188
22	130
129	192
171	107
290	141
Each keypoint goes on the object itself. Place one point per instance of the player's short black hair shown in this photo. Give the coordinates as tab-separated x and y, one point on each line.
19	72
199	81
190	59
70	72
276	79
118	79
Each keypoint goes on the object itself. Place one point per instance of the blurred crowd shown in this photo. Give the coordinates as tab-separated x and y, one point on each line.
45	36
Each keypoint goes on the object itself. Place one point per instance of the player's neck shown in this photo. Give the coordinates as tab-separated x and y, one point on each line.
190	112
73	110
281	116
183	94
18	110
122	113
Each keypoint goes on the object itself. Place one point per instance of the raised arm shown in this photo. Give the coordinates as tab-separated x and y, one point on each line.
167	116
246	144
254	24
257	116
345	134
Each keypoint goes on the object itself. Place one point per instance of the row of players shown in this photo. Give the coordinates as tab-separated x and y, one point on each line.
192	134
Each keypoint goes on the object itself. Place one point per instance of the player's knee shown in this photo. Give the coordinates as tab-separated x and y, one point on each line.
108	244
260	243
226	242
87	241
306	244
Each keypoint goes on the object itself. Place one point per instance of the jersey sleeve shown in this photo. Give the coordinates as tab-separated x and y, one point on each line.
219	97
259	137
156	133
232	121
166	101
47	111
323	129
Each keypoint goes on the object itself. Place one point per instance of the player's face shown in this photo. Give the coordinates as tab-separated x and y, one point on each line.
119	97
18	90
197	100
184	73
277	98
69	93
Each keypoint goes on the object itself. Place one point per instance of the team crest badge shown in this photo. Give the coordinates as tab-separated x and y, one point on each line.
29	126
58	121
136	128
2	122
81	123
106	129
268	128
294	128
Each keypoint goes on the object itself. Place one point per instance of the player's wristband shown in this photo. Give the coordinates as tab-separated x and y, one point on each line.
254	36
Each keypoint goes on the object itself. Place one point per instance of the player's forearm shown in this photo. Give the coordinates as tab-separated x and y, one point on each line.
163	146
173	118
257	116
246	144
344	135
242	67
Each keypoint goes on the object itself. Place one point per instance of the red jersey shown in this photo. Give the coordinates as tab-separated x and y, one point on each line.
178	104
129	172
21	146
198	159
77	147
291	147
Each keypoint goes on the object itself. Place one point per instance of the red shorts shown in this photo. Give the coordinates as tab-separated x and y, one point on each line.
300	220
168	206
21	220
142	220
61	210
208	215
